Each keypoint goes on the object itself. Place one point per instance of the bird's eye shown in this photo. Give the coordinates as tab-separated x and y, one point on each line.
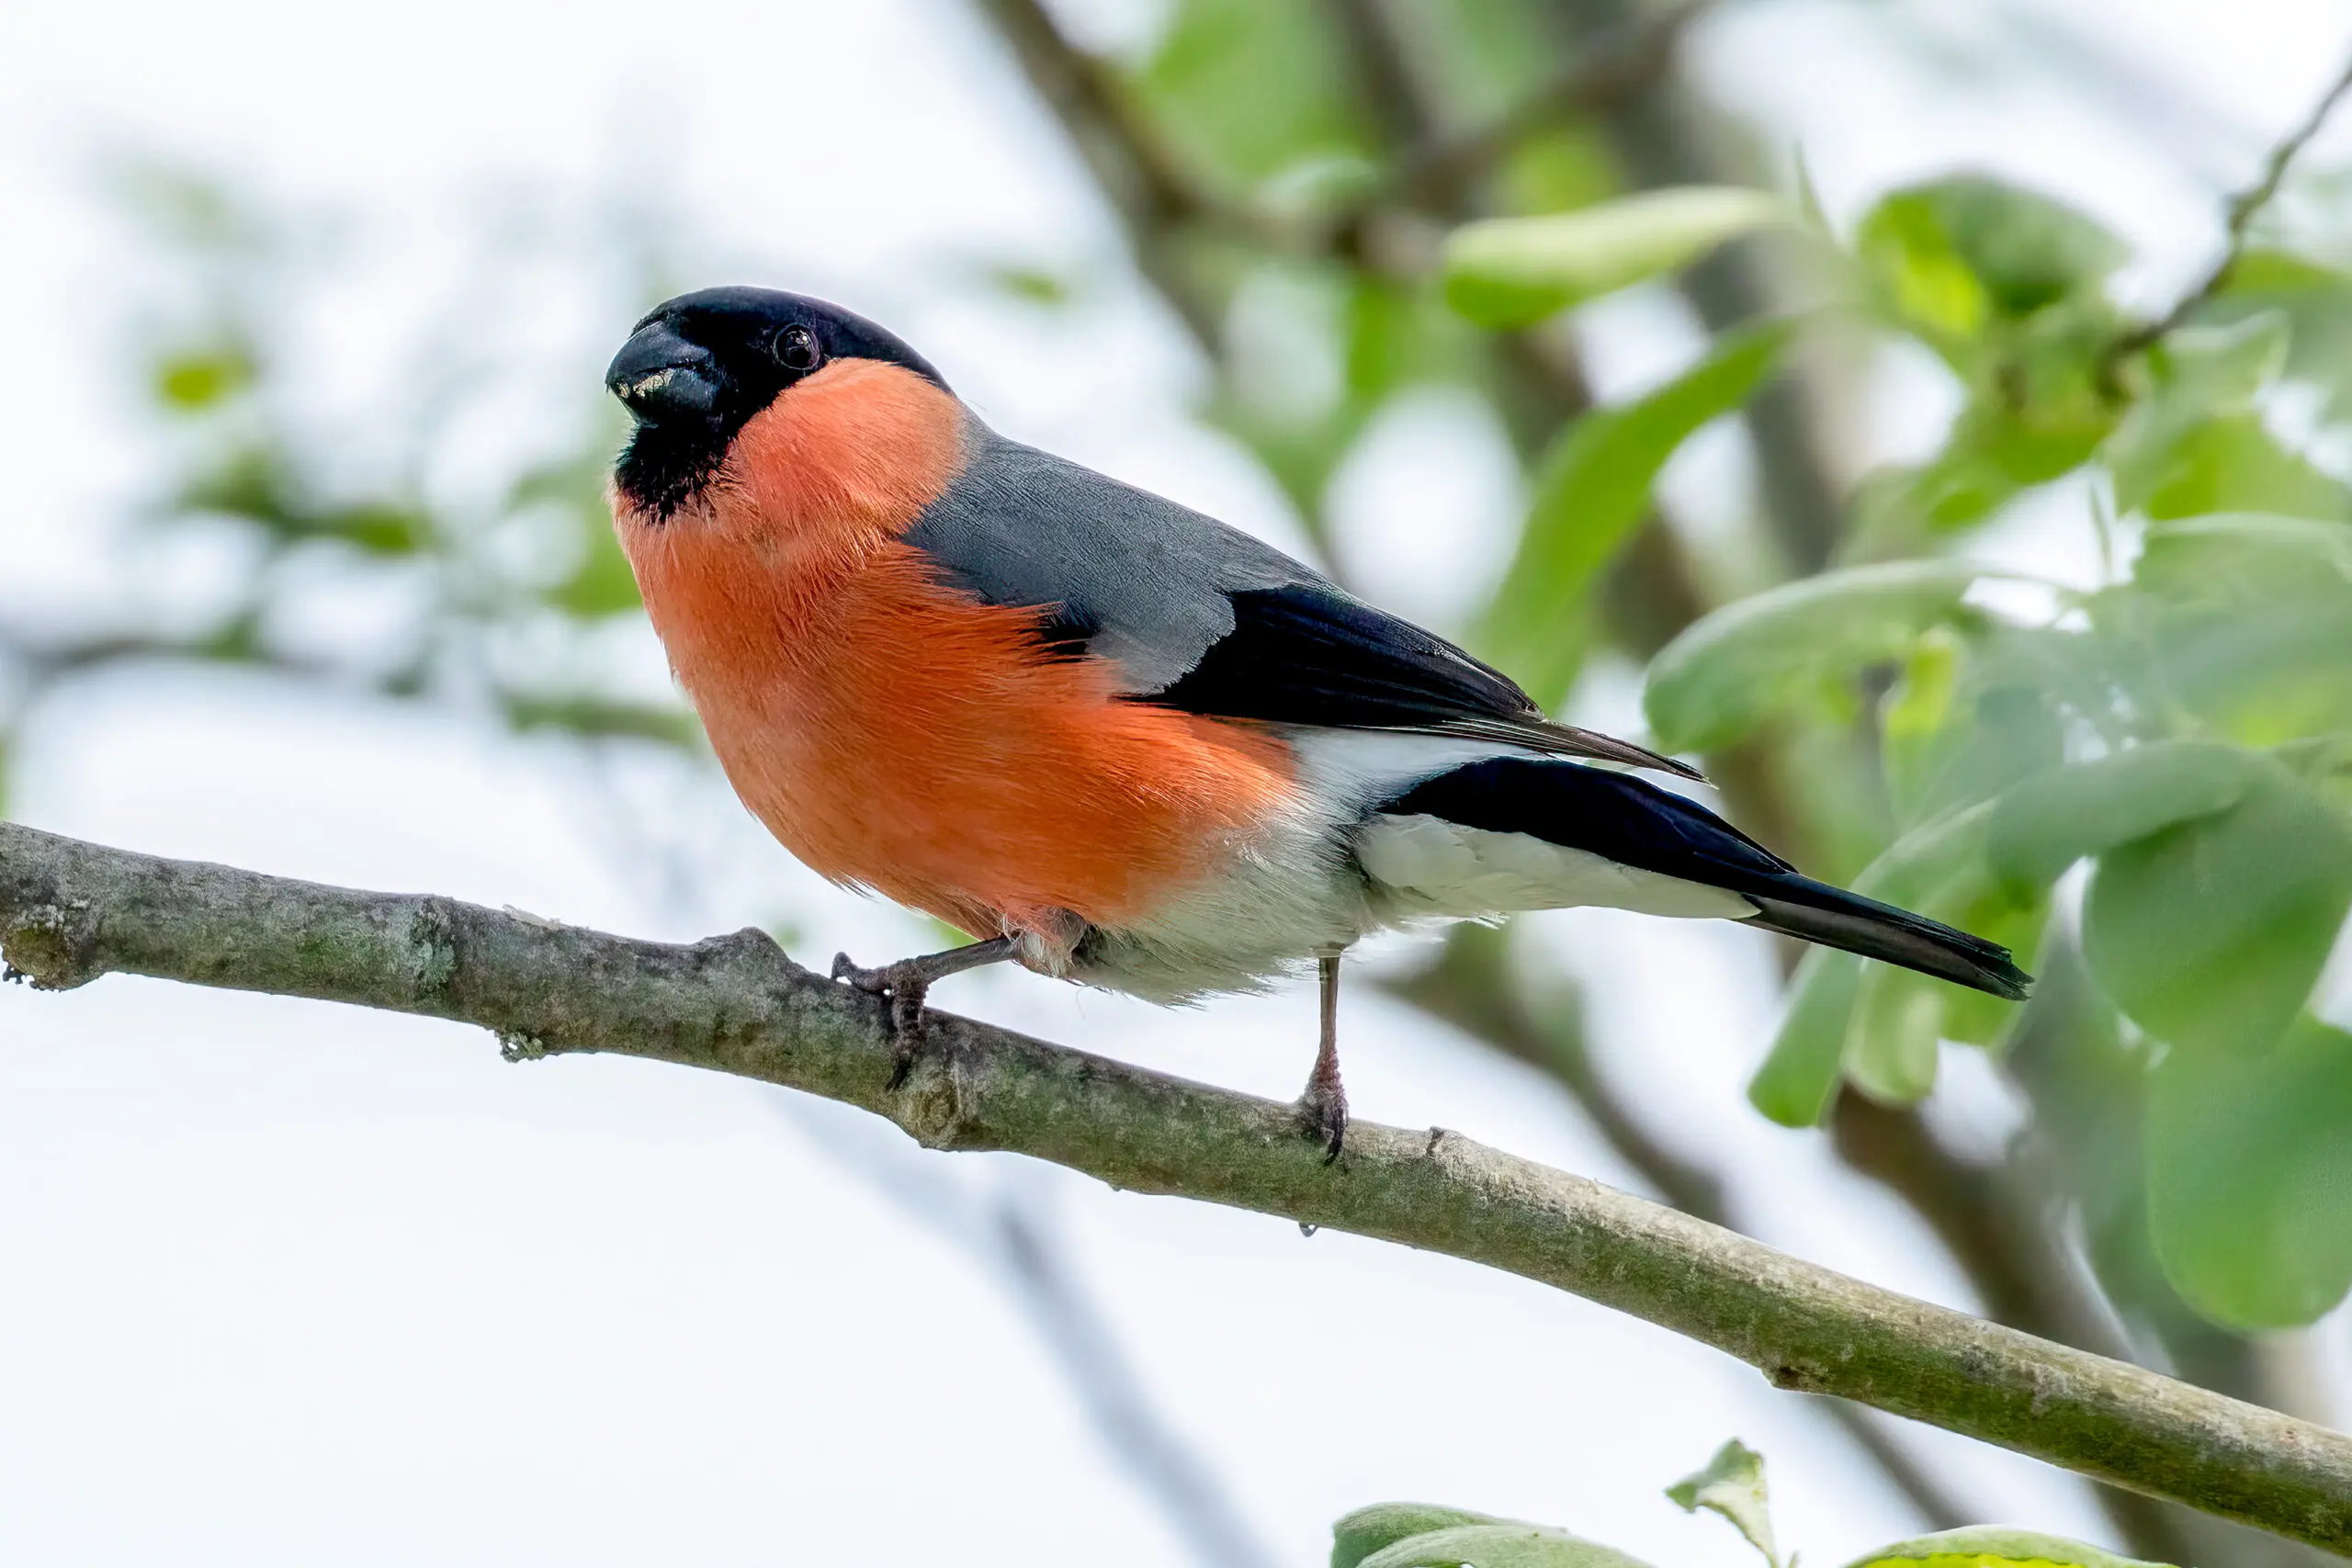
795	349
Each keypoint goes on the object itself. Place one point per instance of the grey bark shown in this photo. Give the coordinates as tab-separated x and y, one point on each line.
72	912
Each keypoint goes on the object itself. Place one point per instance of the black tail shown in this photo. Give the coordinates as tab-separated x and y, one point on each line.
1633	822
1834	918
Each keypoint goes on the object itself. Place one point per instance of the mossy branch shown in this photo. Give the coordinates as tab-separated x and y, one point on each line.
72	912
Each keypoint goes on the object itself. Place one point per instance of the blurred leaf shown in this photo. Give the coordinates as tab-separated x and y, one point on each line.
2250	1179
1734	669
1567	168
1960	727
597	717
1733	1485
602	584
1918	711
1031	285
2250	618
196	381
1593	489
2047	823
1999	915
2237	556
1397	337
2315	298
1992	1546
1952	256
2236	464
2195	444
1901	1017
1877	1024
1511	272
1800	1072
1358	1535
1498	1546
2210	932
1253	87
2218	369
384	528
1892	1034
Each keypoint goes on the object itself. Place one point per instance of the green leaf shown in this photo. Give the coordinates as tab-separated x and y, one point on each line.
196	381
1510	272
596	717
1028	283
1498	1546
1878	1024
1953	256
1357	1536
2210	932
1964	723
2317	301
1800	1074
1901	1017
1733	1485
1737	667
384	528
2248	1165
1992	1546
2047	823
2251	619
1253	88
602	584
2196	445
1893	1036
2244	556
1593	489
2235	464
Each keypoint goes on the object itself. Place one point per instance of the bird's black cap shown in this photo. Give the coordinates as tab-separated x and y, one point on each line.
697	368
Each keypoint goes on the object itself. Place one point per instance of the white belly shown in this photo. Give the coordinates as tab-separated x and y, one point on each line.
1333	870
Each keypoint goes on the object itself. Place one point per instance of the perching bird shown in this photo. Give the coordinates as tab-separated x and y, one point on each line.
1113	739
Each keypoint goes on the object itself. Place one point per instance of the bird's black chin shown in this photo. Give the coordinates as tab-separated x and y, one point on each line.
668	464
679	397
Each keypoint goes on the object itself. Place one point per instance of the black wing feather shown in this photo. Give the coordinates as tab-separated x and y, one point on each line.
1308	653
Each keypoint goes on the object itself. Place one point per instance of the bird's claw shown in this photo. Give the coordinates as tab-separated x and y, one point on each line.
904	985
1323	1113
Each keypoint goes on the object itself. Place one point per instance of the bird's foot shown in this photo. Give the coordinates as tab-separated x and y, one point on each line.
1323	1112
904	985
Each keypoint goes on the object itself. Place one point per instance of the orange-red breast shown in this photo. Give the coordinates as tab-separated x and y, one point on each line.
1115	739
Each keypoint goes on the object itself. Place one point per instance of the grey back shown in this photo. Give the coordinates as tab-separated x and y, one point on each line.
1147	581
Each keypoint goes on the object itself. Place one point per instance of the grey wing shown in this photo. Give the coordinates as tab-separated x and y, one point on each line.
1200	616
1139	580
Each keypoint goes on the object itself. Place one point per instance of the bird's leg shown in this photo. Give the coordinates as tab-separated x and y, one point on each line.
1324	1105
906	983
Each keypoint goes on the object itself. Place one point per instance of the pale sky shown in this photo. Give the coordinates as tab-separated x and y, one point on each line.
292	1285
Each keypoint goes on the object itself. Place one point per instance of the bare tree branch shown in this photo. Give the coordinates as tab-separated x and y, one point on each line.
2245	208
72	912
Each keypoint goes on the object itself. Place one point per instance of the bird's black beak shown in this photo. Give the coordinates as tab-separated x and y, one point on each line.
659	376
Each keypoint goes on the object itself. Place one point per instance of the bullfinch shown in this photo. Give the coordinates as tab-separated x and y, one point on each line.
1115	740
